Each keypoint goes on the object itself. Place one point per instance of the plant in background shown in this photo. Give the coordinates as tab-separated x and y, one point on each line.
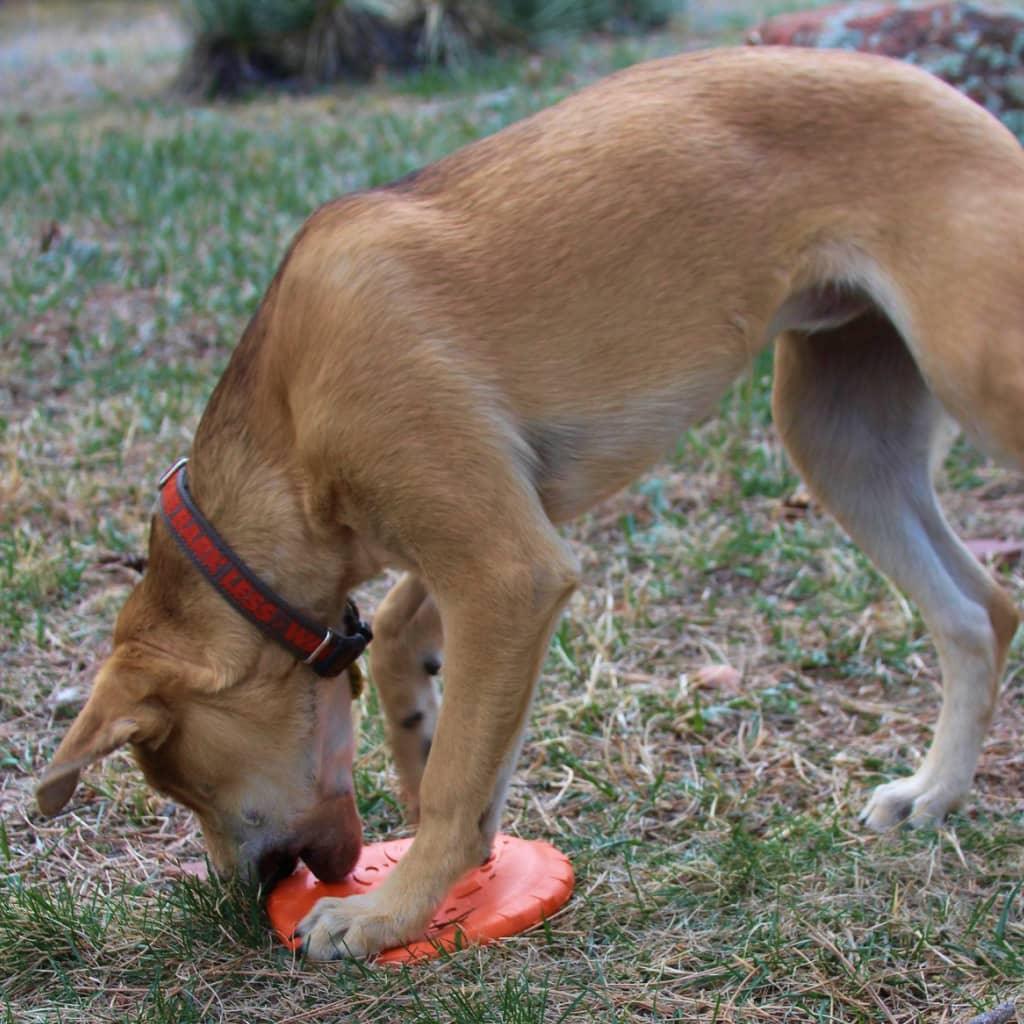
537	17
241	43
357	37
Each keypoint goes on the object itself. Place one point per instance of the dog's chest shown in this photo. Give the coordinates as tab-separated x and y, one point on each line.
578	460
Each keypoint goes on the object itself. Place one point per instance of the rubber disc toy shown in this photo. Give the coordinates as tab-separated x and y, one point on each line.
522	883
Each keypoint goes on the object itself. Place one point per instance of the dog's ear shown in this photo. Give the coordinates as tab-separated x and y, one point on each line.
114	715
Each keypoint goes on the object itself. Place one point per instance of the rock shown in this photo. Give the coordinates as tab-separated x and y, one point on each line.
974	48
995	550
719	677
67	696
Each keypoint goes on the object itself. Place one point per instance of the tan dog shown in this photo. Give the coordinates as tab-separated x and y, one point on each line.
443	369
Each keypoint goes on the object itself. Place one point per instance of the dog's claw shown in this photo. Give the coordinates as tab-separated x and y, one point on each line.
356	926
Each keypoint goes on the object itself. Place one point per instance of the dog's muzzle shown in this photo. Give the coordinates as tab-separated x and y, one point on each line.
328	840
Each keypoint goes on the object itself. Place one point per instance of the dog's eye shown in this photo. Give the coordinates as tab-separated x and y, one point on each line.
253	818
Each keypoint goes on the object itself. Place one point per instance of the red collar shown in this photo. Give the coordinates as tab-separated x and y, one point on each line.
326	652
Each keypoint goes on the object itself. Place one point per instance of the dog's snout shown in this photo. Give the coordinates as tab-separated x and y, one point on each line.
333	838
275	864
332	864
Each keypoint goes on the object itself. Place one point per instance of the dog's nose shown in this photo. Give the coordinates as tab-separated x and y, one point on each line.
334	863
273	865
333	839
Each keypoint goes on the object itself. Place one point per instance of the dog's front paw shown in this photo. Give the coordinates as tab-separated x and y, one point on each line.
356	926
919	801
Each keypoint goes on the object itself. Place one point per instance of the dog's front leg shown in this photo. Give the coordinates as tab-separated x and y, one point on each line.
498	618
404	659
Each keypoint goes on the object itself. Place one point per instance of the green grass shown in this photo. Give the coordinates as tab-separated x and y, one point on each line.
712	824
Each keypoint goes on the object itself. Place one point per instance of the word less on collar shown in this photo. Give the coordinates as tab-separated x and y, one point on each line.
328	653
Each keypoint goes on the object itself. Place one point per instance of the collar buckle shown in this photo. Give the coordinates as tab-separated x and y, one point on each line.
329	637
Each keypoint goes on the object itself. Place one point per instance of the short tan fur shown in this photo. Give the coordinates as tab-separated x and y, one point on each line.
444	369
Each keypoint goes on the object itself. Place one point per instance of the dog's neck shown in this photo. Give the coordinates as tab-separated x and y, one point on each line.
245	479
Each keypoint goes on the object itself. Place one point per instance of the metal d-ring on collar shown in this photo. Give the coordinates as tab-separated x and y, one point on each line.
327	652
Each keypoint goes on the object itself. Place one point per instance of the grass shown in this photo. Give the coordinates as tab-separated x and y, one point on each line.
711	822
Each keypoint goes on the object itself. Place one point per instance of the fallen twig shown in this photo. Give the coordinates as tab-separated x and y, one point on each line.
1001	1014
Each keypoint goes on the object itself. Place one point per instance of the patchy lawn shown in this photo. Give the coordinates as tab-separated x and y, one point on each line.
710	814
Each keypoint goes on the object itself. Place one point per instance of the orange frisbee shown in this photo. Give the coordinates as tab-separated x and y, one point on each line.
521	884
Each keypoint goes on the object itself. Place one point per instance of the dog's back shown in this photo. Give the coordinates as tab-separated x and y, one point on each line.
610	265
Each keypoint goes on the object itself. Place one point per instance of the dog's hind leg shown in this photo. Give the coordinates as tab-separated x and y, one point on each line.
862	427
404	659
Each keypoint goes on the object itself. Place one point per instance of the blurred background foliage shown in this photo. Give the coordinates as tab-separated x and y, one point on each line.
237	44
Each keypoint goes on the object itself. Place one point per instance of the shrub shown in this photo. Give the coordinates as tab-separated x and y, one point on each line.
240	43
536	17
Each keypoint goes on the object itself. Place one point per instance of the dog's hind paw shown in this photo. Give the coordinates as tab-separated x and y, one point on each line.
917	801
355	926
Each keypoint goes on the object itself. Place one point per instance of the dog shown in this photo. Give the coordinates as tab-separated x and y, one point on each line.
446	368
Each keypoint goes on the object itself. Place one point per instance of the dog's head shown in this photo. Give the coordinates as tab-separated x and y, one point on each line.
224	722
